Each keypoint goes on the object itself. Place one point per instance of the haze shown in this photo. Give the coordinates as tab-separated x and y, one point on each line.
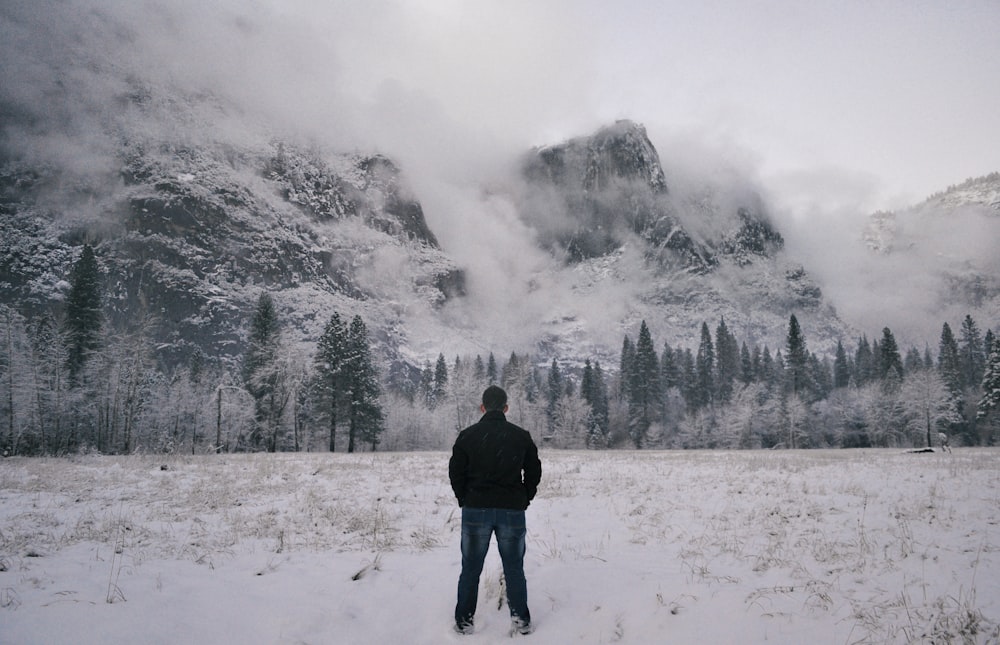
831	110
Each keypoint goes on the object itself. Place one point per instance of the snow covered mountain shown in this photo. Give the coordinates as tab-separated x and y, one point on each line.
196	201
604	204
940	257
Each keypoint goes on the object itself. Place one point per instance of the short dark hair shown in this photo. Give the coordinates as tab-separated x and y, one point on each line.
494	398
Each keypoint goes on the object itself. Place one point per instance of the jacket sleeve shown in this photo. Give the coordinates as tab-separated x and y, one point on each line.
457	472
532	470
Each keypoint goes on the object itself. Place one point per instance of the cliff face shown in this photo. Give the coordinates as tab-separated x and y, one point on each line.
590	195
189	236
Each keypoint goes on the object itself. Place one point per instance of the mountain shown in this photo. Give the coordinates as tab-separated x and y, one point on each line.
189	229
940	256
704	253
196	199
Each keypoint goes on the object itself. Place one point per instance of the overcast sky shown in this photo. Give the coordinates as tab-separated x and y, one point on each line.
863	103
888	100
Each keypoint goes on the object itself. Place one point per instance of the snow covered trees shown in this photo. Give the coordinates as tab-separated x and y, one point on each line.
988	409
345	384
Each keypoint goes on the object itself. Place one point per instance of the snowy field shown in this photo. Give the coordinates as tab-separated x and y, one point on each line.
874	546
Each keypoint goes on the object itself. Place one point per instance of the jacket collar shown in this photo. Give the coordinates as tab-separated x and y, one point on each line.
492	415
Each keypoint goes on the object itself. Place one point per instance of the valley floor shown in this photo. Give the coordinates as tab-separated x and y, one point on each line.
849	546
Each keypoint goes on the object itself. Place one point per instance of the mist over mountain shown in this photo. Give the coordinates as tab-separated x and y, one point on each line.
203	172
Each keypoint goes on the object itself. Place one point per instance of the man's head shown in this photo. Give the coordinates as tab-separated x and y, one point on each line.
494	398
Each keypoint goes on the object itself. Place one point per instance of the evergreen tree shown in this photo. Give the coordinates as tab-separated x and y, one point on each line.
890	360
841	369
913	362
928	358
83	320
949	361
767	368
625	365
491	370
328	380
554	392
864	363
440	380
669	372
263	375
949	367
820	377
365	417
688	378
644	387
972	354
595	393
796	359
705	369
727	365
746	365
989	404
479	370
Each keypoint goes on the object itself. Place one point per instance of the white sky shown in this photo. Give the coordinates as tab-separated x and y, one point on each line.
894	100
867	104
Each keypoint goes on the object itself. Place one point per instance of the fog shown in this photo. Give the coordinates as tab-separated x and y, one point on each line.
828	113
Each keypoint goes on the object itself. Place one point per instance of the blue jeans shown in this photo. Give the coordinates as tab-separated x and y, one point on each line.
478	524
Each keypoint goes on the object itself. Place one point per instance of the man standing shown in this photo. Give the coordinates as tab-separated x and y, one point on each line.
494	471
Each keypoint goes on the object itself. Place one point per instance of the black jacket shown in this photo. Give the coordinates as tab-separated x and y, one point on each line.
494	464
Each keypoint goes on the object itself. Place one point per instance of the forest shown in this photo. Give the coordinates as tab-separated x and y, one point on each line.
70	384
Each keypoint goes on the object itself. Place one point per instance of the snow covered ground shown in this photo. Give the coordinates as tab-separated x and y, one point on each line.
878	546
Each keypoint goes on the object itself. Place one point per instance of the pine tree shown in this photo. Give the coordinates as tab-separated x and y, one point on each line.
595	393
365	417
440	380
479	370
669	374
328	380
689	379
841	369
746	365
949	361
949	367
554	392
83	313
796	358
491	370
912	362
644	387
972	354
989	404
864	363
727	367
705	369
890	360
625	366
263	375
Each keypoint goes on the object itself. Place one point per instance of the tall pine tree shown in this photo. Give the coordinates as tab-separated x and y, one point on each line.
263	374
890	361
364	410
796	359
83	321
328	375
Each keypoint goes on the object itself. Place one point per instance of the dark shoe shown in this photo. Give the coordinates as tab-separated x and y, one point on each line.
463	628
518	626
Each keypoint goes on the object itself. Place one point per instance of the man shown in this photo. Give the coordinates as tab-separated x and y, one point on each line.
494	471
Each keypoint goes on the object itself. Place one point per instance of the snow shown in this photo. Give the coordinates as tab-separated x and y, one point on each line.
632	547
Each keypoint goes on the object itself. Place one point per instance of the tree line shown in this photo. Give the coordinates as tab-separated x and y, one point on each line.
74	385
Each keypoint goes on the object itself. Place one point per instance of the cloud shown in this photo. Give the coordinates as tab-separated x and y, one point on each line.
829	114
